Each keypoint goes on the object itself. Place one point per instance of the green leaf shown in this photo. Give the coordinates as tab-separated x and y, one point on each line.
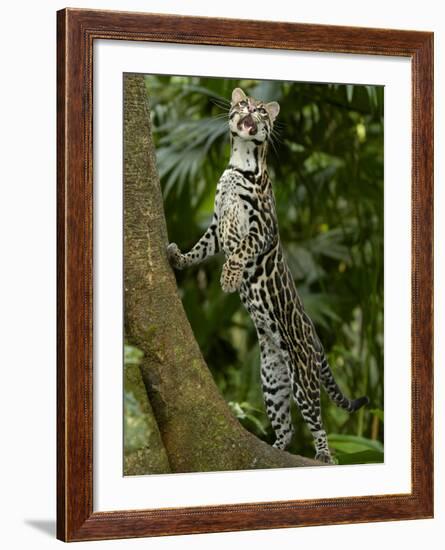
362	457
246	412
236	409
132	355
353	443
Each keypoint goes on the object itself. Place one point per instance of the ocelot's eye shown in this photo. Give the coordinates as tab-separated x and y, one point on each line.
262	110
242	103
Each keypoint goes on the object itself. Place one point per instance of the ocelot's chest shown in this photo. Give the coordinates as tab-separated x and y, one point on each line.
232	210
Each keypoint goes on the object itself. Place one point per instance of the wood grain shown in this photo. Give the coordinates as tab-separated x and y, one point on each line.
76	32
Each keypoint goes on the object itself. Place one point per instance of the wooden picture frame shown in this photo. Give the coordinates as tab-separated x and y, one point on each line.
76	32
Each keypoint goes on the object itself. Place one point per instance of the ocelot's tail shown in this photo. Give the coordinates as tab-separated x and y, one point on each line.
335	393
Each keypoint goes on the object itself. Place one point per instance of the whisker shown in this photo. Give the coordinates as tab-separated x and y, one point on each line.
221	105
277	139
271	139
280	125
277	134
272	142
220	116
222	100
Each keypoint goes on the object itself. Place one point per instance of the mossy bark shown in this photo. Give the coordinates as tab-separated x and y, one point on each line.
197	427
146	453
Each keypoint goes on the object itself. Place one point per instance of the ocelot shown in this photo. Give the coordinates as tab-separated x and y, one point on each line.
244	227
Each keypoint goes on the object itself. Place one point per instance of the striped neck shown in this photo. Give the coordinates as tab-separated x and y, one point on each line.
248	156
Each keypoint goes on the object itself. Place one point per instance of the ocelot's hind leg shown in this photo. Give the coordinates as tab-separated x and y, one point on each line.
306	392
276	390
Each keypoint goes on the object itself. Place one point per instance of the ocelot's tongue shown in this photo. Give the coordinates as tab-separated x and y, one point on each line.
249	124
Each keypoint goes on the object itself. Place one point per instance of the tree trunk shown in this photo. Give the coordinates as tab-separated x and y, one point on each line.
197	427
146	453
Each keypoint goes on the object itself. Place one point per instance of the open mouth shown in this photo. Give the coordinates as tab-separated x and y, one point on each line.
248	124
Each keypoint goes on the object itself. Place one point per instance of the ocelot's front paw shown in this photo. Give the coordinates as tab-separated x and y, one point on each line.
231	276
175	256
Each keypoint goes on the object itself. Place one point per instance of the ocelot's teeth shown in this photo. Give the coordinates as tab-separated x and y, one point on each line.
249	124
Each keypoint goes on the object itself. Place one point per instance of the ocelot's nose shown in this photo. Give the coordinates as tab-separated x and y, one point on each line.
252	108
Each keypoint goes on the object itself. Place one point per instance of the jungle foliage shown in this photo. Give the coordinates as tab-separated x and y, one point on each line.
326	164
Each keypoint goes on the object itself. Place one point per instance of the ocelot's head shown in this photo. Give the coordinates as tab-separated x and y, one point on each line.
250	118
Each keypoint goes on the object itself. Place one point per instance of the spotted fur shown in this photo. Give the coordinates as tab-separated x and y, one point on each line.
244	227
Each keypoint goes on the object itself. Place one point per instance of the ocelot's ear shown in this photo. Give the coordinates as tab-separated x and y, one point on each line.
237	96
273	108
